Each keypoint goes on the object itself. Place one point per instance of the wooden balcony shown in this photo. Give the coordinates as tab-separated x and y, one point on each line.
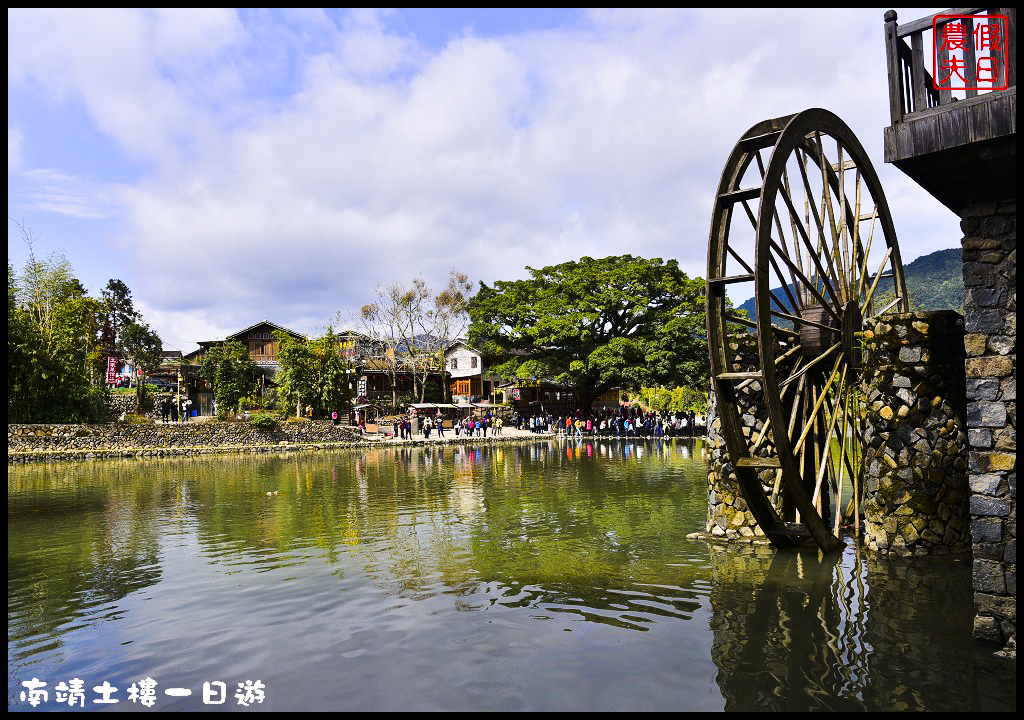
960	145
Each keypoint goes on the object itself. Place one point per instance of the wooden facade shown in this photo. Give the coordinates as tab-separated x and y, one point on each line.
469	379
258	339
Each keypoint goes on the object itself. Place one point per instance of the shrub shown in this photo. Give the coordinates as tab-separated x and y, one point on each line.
263	421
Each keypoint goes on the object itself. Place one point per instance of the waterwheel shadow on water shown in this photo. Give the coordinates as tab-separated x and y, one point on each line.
801	223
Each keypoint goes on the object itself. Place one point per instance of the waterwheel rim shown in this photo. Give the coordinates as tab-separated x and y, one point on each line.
823	243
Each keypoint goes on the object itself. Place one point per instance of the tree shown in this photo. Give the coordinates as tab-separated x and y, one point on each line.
119	312
142	346
391	321
594	325
415	327
231	371
52	328
313	372
450	318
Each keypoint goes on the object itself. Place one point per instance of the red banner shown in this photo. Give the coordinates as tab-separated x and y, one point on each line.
111	370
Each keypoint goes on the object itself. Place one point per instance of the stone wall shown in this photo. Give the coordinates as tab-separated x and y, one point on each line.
915	488
32	442
990	314
728	516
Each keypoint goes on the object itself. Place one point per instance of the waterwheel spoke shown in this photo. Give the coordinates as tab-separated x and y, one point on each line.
827	204
796	304
844	444
845	229
896	301
803	321
797	398
806	283
782	235
867	252
730	317
818	402
813	256
740	260
874	284
855	239
808	366
826	440
809	198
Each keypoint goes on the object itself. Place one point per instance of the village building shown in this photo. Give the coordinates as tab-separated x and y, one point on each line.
263	349
470	382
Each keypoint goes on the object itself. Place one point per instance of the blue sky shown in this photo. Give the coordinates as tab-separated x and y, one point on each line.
232	165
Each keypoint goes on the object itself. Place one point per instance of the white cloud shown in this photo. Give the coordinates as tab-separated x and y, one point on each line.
369	159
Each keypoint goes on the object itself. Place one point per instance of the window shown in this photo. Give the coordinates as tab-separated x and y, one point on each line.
472	361
455	364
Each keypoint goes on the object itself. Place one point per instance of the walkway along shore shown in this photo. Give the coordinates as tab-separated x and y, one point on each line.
35	443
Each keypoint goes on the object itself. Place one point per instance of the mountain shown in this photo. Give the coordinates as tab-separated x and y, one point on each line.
935	281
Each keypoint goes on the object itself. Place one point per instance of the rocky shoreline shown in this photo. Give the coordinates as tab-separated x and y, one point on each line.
50	443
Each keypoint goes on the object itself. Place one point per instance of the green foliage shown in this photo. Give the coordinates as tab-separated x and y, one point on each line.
313	373
53	363
118	312
596	324
231	371
263	421
677	399
145	350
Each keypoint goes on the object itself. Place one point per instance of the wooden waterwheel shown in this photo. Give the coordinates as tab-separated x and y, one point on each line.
800	222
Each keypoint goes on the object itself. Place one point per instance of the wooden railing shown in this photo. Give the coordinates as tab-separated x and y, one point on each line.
911	86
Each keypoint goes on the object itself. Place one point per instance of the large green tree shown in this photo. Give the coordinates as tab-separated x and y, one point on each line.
53	366
593	325
231	371
313	373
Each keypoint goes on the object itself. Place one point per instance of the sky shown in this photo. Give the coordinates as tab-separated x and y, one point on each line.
232	165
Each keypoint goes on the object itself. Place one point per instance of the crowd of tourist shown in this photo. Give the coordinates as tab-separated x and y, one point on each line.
627	422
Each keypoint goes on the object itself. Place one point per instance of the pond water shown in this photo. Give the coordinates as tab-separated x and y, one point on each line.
534	576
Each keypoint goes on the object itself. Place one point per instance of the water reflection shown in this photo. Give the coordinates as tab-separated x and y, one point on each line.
537	576
848	632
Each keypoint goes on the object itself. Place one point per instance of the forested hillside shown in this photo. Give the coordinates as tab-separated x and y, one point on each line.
935	281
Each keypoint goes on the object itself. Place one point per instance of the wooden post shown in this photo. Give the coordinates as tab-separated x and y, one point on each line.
893	64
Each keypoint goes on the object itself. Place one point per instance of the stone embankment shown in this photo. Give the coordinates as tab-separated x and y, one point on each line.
729	517
28	443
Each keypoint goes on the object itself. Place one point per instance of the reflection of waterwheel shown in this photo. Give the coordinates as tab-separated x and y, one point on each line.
810	234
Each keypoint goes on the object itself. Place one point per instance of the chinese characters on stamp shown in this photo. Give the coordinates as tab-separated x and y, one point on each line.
970	53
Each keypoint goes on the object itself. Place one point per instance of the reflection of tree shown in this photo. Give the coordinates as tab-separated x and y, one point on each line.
796	632
79	537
